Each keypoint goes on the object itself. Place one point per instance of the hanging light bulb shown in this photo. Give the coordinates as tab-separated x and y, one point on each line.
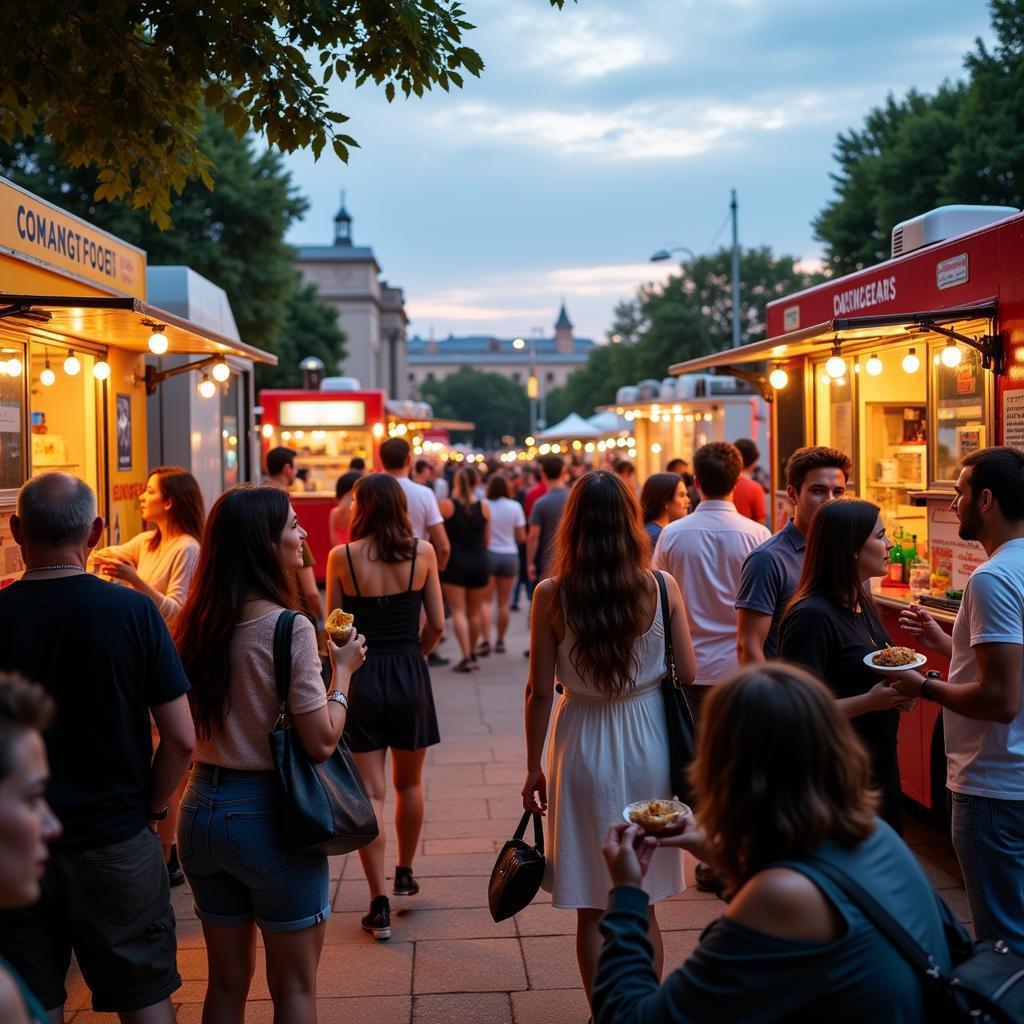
206	387
911	364
14	366
72	365
158	341
951	354
220	371
47	377
778	378
874	365
101	369
836	365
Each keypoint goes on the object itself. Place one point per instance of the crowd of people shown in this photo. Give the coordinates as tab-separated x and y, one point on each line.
137	690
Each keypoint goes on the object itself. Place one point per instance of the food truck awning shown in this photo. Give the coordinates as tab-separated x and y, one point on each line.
854	333
124	323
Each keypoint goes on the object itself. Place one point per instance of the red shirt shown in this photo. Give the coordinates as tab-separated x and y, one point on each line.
748	497
538	490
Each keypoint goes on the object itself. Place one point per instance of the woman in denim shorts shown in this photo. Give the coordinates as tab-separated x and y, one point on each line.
241	874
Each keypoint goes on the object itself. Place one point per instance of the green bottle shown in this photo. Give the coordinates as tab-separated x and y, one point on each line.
909	558
897	561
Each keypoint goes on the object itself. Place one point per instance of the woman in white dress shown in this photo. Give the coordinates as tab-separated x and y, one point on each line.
596	624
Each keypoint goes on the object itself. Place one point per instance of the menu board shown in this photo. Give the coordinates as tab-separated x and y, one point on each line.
947	549
1013	419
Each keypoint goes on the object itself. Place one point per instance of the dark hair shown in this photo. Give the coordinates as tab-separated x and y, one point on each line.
380	511
23	706
748	451
805	460
1001	471
358	463
623	466
180	488
717	467
497	487
394	453
839	529
237	560
602	559
278	458
658	490
345	483
552	466
798	774
676	466
421	465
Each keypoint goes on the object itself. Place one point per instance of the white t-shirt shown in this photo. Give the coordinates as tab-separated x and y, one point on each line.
440	488
506	515
423	510
986	759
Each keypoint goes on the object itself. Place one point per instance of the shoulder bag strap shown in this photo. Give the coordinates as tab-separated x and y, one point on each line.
666	626
283	659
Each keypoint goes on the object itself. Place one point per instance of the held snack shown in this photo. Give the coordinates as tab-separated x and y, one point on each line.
654	815
339	626
892	657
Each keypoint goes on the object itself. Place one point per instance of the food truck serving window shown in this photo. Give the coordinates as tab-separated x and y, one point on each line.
322	414
960	410
12	416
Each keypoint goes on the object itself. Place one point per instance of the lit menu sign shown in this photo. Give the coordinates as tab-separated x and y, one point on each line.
948	550
323	414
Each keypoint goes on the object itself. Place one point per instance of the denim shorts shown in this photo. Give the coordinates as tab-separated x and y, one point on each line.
230	848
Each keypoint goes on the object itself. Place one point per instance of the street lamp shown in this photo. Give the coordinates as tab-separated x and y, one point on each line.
533	385
666	254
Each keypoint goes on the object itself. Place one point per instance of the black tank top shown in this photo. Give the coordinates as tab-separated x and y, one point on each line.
466	527
390	622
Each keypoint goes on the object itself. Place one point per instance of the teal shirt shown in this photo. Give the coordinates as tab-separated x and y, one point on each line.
36	1013
738	974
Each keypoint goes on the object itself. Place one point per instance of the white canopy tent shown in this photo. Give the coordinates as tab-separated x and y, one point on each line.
572	428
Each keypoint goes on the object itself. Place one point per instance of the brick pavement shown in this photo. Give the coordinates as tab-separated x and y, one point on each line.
447	961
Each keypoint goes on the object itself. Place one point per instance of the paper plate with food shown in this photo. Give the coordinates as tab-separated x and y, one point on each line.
654	815
894	659
339	626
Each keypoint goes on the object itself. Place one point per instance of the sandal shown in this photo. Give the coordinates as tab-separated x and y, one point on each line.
499	647
483	649
464	666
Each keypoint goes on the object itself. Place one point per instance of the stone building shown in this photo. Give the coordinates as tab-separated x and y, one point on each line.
556	356
370	311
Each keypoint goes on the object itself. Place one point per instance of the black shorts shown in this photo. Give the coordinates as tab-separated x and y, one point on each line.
111	906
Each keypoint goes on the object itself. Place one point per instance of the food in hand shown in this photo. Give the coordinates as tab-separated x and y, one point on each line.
892	657
339	626
655	815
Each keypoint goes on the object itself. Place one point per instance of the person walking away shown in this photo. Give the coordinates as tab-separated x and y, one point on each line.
508	532
159	563
704	552
27	824
982	718
597	625
386	577
538	489
748	496
663	500
544	519
791	945
519	487
464	578
627	471
341	514
771	571
105	657
831	625
243	877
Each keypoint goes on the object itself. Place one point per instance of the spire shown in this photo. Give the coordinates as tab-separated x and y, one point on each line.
342	224
563	323
564	342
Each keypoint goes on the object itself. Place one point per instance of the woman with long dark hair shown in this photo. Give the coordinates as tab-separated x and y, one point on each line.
779	778
508	532
384	576
464	579
242	875
831	624
597	625
663	500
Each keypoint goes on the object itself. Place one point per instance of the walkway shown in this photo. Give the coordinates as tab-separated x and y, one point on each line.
447	961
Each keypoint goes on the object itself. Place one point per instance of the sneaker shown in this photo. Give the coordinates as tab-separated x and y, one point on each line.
405	884
707	880
378	920
435	660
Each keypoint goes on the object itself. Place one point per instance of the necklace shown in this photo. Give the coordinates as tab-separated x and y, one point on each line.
48	568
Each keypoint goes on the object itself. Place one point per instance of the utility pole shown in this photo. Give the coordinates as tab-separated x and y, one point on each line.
735	274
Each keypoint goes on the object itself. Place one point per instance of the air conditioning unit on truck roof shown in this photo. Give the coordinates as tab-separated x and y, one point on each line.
944	222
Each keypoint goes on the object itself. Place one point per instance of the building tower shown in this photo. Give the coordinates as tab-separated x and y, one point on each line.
563	332
342	224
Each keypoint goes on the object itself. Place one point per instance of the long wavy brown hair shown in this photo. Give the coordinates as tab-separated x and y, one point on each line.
602	567
238	561
180	488
380	511
797	773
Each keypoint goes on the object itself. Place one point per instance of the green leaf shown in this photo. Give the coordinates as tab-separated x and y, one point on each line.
340	149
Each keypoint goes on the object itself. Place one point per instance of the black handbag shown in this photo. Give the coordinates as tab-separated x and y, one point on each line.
518	871
678	717
322	807
986	984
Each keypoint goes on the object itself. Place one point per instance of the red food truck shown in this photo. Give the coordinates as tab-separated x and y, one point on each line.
907	366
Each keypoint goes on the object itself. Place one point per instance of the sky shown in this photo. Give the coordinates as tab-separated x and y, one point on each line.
605	131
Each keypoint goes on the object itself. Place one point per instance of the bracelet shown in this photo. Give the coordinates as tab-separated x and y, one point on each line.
157	815
338	696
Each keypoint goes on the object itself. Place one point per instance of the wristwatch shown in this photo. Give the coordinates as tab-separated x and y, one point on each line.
339	697
924	683
157	815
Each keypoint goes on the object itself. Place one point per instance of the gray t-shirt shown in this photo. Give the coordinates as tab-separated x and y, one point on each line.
547	513
769	578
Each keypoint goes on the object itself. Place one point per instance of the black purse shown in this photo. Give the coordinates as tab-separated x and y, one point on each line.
678	718
322	807
986	984
518	871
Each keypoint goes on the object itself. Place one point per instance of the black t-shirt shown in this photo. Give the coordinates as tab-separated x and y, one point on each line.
105	656
832	641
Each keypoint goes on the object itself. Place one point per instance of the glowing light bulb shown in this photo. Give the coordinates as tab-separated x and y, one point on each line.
220	371
911	364
656	448
951	355
778	378
101	369
158	342
836	366
378	430
14	366
72	366
873	365
47	377
206	387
